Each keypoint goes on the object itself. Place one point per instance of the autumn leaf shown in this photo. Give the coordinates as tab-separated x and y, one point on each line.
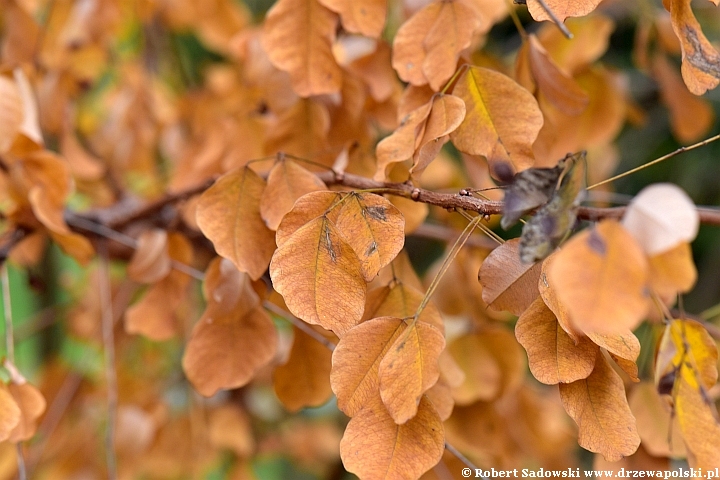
599	407
11	414
655	422
228	213
150	261
482	371
32	405
374	229
401	300
426	48
660	217
700	60
697	417
320	276
286	182
553	356
561	8
601	277
12	111
502	119
304	380
298	37
672	272
392	451
307	208
410	368
233	338
366	18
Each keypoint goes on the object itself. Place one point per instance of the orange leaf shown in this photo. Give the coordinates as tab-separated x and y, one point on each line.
427	46
298	37
447	112
320	277
700	428
229	428
483	374
672	272
561	8
150	261
32	405
233	338
599	407
83	165
700	60
655	422
601	277
287	182
409	369
306	208
502	119
154	315
10	414
304	380
228	213
11	107
374	228
375	447
509	284
400	300
552	354
366	18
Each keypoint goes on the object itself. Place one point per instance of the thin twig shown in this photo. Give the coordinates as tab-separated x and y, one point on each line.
299	324
10	354
462	458
108	327
556	20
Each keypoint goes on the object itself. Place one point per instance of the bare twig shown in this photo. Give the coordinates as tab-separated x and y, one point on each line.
462	458
108	327
299	324
556	20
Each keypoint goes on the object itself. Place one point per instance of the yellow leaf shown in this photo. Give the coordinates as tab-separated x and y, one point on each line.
287	182
601	277
561	8
672	272
233	338
366	18
600	409
150	261
426	48
304	380
408	369
320	277
553	355
700	60
228	213
298	37
509	284
374	228
700	428
660	217
502	119
375	447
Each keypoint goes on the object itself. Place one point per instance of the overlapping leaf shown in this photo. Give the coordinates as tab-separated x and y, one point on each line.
151	260
367	18
561	8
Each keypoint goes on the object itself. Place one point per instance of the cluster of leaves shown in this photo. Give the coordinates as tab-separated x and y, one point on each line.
286	176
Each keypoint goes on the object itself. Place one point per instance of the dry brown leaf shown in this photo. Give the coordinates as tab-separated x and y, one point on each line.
700	60
698	421
487	13
557	86
304	380
447	112
401	145
12	111
228	213
32	405
509	284
591	36
286	182
483	374
641	460
398	299
151	260
690	117
601	277
502	119
376	72
599	407
229	428
233	338
320	277
298	37
154	315
302	130
655	422
561	8
374	228
366	18
306	208
83	165
356	360
660	217
11	414
622	344
375	447
550	298
553	356
409	368
672	272
427	46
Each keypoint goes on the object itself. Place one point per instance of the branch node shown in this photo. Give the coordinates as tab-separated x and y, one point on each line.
415	194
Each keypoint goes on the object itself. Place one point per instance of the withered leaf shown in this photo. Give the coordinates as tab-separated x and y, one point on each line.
375	447
655	422
367	17
9	413
228	213
320	277
561	8
698	421
508	284
32	405
308	207
599	407
672	272
400	300
150	261
483	374
12	111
